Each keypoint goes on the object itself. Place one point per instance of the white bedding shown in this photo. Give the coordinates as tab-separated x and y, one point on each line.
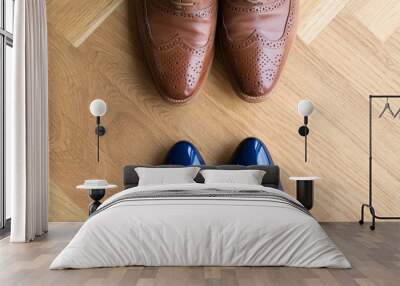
223	231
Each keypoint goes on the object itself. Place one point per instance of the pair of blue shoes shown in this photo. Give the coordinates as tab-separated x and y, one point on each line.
251	151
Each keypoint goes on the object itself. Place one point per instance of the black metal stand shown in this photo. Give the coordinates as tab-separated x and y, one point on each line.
369	205
100	131
304	131
96	195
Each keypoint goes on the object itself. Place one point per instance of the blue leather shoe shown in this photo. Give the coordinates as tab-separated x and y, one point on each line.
184	153
252	151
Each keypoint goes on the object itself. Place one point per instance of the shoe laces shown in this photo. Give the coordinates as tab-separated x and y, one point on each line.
181	4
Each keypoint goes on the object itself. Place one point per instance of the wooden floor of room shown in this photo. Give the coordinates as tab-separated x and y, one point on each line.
375	257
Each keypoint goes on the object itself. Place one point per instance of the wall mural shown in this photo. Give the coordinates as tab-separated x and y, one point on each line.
342	53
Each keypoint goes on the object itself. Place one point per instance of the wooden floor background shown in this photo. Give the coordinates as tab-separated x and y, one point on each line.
345	50
375	259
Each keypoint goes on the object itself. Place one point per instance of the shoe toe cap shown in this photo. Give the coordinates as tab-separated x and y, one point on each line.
178	75
257	71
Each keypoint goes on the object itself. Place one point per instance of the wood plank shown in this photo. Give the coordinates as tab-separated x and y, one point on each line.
315	16
382	18
77	20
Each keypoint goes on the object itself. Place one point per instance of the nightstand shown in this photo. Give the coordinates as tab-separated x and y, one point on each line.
305	190
97	190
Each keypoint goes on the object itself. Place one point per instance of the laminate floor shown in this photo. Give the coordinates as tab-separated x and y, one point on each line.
375	257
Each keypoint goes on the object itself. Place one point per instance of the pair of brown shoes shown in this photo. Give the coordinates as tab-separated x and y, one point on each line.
178	40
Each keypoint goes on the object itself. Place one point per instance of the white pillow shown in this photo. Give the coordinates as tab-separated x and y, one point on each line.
163	176
248	177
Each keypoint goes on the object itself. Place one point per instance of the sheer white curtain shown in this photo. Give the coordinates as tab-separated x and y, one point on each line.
27	124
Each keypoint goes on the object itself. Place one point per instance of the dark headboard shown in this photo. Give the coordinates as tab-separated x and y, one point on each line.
271	177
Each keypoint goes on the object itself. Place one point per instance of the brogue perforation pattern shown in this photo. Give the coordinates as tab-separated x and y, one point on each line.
260	9
193	73
179	43
172	70
257	78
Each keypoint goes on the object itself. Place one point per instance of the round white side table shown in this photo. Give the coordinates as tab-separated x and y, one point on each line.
97	190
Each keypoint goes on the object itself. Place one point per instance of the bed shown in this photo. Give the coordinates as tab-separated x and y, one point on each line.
201	224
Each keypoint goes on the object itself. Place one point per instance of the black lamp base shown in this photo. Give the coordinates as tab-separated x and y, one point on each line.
304	131
100	130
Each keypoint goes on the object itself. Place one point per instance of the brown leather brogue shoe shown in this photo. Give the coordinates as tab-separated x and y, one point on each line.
178	41
256	36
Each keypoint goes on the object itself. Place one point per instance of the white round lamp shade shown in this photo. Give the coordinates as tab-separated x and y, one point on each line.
98	107
305	107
